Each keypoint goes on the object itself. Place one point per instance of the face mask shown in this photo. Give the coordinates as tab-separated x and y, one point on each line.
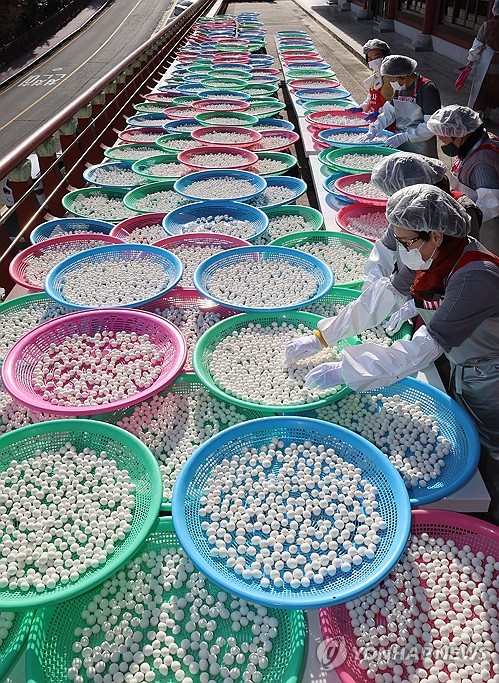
450	149
413	259
375	64
396	85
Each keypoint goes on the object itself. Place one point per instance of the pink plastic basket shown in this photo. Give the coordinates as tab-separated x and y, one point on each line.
189	299
336	628
161	96
178	113
21	362
345	215
201	133
20	262
134	134
124	230
216	105
242	157
315	119
305	83
344	182
289	138
265	71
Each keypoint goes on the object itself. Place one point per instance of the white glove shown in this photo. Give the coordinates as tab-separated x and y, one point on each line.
488	202
380	263
397	140
300	348
371	133
324	376
396	321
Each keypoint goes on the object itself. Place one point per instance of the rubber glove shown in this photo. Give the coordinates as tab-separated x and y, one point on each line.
324	376
354	110
300	348
372	116
397	140
406	312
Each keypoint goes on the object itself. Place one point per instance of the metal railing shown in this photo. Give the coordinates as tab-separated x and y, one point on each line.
83	128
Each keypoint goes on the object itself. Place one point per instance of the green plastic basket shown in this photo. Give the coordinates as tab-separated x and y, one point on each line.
39	305
287	159
333	157
212	337
132	198
119	153
150	107
224	83
49	651
212	118
186	384
129	453
317	105
166	142
230	73
120	212
184	99
264	108
13	645
314	218
316	73
259	90
145	167
357	244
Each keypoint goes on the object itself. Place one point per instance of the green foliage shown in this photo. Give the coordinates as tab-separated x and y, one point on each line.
17	17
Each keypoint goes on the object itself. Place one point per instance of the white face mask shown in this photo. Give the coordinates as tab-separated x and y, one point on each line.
413	259
396	85
375	64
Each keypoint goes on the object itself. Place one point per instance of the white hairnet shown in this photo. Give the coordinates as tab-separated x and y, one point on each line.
426	208
399	170
398	65
377	44
495	8
454	121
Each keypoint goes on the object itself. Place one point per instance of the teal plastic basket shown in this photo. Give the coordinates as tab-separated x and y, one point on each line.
13	644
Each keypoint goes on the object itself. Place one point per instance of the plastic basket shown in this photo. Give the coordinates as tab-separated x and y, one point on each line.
166	143
145	168
190	88
162	96
393	506
288	139
356	244
90	174
342	183
180	113
329	138
293	73
118	211
261	89
216	264
174	223
252	136
304	83
334	157
129	453
288	161
211	118
69	226
314	218
19	264
210	339
462	529
134	135
37	308
147	120
14	643
119	153
296	185
345	215
152	192
153	107
185	99
50	655
181	126
242	158
201	105
229	94
329	185
269	80
224	83
316	94
149	255
314	119
23	359
258	184
266	107
272	124
125	230
323	105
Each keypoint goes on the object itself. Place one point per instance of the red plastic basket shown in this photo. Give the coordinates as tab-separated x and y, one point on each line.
315	119
21	362
306	83
289	138
200	133
189	299
134	134
124	230
161	96
344	182
216	105
337	632
345	214
20	262
242	157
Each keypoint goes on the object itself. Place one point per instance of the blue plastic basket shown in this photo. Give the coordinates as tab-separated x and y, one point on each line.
190	88
455	425
69	226
174	222
141	120
272	124
328	185
171	264
309	64
176	126
329	93
312	265
182	185
393	506
298	186
327	136
90	173
270	80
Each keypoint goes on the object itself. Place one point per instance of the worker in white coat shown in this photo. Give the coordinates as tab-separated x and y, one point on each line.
483	57
454	282
415	99
475	170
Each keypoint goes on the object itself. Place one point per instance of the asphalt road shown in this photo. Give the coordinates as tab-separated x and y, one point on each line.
32	100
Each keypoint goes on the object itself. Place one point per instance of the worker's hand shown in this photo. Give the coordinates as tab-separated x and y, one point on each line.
396	140
354	110
371	133
300	348
324	376
372	116
406	312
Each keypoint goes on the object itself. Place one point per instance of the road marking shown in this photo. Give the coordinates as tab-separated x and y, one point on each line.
21	113
165	20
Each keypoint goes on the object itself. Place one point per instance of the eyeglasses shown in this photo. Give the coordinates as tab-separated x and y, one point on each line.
407	243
